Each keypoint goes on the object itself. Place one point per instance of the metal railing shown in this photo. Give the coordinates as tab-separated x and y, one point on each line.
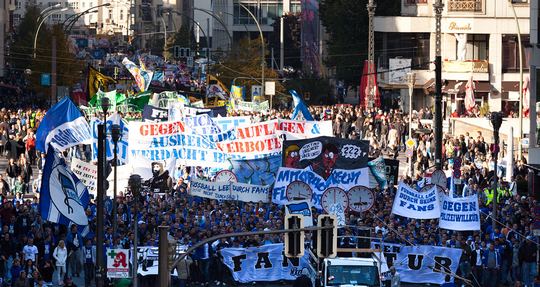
465	5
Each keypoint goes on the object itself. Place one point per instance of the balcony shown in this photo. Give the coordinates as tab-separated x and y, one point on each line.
476	66
465	5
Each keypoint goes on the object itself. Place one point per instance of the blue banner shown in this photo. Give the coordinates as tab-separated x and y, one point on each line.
256	171
63	126
122	151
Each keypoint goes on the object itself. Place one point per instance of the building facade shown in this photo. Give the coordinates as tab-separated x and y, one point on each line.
479	40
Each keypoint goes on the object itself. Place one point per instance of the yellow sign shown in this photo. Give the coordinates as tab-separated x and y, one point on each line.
466	66
459	27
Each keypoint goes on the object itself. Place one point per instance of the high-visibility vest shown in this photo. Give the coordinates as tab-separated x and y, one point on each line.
489	195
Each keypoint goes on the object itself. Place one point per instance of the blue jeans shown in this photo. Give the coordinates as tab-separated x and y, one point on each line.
9	263
515	273
528	272
504	272
204	267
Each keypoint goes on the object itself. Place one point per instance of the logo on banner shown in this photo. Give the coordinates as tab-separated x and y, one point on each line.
117	263
66	198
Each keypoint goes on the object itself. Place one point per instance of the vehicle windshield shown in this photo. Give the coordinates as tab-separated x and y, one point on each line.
352	275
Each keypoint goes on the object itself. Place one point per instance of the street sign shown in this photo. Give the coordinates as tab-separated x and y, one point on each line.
117	263
270	88
256	92
410	143
46	79
190	62
409	152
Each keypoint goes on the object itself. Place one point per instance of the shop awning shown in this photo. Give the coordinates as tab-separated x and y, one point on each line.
458	87
510	87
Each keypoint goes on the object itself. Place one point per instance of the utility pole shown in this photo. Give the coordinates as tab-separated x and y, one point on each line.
53	71
281	43
438	7
371	6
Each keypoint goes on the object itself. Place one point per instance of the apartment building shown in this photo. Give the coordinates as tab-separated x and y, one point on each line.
479	40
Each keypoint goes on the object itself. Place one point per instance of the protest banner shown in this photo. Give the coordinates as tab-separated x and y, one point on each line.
420	264
86	173
201	124
302	208
109	147
251	106
229	123
413	204
323	154
264	263
229	191
148	263
155	114
118	263
344	179
295	130
260	171
263	139
165	140
459	213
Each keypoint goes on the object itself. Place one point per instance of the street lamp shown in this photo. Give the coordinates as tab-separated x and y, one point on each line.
41	23
263	63
101	181
437	115
520	77
134	184
116	134
78	15
411	80
53	7
496	119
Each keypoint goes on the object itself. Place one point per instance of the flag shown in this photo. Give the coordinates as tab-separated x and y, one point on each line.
142	77
452	187
469	95
141	63
212	80
97	81
368	86
63	197
300	107
238	93
526	97
114	99
63	126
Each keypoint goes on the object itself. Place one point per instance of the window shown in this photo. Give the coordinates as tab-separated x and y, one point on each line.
477	47
73	5
56	18
241	16
465	5
18	5
296	8
121	14
510	54
413	46
416	1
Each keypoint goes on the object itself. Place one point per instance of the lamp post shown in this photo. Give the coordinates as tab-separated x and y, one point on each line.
116	134
438	7
46	15
53	7
496	119
263	63
134	184
520	147
411	80
101	178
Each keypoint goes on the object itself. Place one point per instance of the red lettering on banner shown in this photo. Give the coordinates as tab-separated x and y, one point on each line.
292	127
158	129
256	130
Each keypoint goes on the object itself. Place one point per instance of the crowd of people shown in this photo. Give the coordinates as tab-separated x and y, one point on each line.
503	252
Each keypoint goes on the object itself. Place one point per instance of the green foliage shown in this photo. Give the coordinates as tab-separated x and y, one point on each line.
484	109
183	38
21	52
317	89
244	61
346	22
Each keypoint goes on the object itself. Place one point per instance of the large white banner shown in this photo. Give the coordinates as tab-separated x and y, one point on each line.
229	123
341	178
265	138
229	191
413	204
264	263
421	264
87	173
167	140
459	213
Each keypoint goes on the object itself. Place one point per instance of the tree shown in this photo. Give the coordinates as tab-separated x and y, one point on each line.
346	21
183	38
20	56
244	61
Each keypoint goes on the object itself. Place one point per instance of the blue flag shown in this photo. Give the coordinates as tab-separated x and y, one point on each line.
63	197
63	126
300	107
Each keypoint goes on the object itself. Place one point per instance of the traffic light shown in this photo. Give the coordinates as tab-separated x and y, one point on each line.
294	241
327	238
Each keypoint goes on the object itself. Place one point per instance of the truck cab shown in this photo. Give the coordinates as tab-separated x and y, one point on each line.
350	272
